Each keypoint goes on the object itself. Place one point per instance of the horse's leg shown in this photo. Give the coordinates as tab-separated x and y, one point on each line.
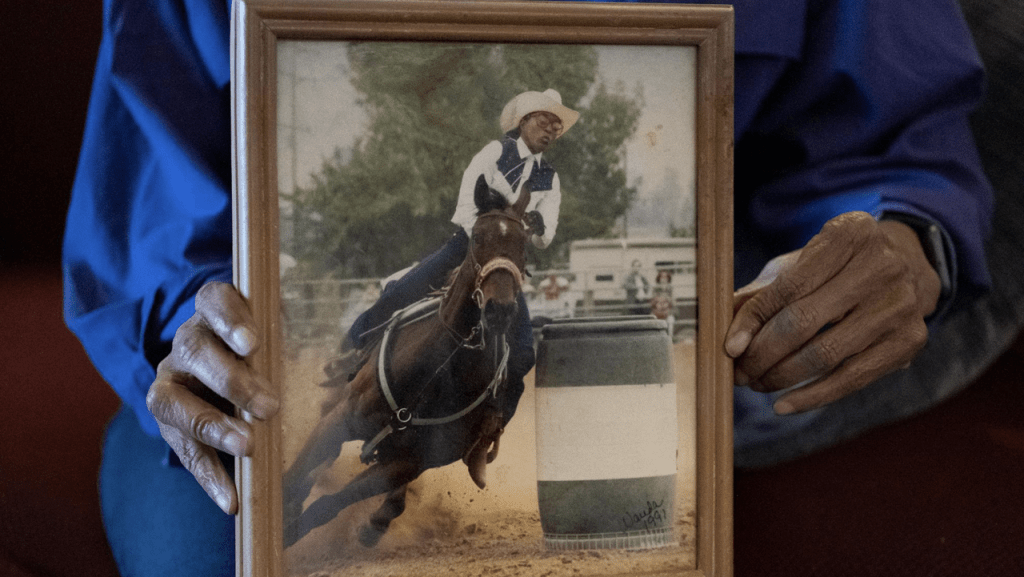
393	506
378	478
322	446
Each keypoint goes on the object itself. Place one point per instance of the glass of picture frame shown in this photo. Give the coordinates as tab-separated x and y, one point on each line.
354	122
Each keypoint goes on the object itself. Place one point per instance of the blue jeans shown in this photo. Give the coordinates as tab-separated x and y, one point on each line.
158	520
429	275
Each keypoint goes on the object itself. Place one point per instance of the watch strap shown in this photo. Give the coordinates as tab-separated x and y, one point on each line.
933	242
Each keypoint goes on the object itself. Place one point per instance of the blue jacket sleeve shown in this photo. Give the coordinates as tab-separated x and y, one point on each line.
150	214
872	116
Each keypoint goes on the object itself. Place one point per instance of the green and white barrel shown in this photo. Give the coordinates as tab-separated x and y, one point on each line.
607	434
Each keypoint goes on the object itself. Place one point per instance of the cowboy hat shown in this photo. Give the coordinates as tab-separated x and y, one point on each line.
548	101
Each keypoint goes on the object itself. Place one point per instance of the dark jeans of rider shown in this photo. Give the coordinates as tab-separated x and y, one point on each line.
431	274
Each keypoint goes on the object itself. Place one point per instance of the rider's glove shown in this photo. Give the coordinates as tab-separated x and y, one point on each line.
536	222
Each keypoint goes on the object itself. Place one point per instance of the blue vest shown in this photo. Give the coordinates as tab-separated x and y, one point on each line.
511	165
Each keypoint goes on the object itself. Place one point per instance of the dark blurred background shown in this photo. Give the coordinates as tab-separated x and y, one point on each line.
49	48
54	405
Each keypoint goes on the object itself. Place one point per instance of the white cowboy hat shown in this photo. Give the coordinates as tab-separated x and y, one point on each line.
548	101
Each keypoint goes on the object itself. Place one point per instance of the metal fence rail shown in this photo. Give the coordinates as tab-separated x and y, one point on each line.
319	311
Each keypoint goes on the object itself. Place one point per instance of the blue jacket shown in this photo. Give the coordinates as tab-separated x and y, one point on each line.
840	105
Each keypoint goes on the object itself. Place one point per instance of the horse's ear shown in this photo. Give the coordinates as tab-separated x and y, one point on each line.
486	198
524	200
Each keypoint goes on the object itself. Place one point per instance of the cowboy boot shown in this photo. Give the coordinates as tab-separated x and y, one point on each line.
485	449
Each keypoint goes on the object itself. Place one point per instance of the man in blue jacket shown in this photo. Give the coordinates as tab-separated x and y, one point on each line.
861	212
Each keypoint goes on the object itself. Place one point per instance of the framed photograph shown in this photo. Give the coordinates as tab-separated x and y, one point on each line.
489	249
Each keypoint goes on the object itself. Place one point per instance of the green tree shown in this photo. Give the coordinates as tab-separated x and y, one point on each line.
431	107
595	192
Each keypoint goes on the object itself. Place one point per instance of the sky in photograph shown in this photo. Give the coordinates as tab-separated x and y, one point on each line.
318	112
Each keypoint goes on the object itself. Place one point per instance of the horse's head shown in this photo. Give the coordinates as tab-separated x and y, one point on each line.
497	253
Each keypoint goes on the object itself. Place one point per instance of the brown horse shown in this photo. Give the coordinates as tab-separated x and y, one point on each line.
421	400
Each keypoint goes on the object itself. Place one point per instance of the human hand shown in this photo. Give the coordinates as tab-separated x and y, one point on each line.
199	381
535	222
840	313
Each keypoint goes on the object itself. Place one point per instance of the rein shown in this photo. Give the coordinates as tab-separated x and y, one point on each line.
402	416
482	272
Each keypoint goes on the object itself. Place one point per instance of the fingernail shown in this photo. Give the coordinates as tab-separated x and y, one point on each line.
244	340
235	444
223	499
263	405
783	408
737	343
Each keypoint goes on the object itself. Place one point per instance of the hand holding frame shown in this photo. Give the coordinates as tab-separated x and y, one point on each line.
843	311
199	381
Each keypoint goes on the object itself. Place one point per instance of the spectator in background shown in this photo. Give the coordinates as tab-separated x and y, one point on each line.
662	305
554	300
663	283
638	290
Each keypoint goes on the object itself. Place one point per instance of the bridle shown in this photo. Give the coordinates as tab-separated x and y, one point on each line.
495	264
402	416
482	272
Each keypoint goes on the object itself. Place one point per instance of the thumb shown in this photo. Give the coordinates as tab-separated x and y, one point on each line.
767	275
741	330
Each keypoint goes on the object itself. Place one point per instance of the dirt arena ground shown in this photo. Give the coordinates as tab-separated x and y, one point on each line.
452	528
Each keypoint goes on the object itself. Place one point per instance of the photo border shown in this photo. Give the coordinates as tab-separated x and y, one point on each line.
258	25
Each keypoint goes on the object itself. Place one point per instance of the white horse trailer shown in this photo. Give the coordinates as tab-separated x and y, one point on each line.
601	266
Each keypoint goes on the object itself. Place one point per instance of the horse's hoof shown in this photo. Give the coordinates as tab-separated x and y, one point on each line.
369	535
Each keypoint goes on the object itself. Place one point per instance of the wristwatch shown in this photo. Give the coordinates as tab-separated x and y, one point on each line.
934	245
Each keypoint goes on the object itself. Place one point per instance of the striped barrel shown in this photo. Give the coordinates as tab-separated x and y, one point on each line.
607	434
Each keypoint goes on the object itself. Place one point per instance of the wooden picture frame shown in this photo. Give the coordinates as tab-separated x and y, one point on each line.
261	32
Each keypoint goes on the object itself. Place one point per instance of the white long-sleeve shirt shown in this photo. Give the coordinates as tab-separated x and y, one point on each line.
546	202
